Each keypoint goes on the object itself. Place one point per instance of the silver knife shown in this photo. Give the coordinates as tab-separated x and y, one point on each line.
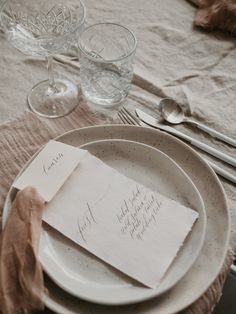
151	121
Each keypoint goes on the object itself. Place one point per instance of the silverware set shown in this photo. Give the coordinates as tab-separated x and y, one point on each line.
144	119
173	114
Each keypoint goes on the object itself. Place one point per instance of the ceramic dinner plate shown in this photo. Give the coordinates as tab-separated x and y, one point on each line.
207	266
85	276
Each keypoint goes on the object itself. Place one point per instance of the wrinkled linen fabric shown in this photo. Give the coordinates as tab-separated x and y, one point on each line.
173	59
21	275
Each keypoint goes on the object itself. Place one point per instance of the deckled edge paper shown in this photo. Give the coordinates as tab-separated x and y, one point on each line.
50	168
127	225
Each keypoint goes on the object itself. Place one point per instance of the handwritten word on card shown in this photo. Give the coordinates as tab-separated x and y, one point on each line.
138	212
132	228
50	168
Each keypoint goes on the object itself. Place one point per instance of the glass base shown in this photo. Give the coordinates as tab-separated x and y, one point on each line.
53	103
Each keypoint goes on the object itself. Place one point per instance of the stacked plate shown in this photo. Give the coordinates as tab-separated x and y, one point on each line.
76	280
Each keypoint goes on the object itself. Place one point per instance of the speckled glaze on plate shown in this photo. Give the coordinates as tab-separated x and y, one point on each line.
211	258
85	276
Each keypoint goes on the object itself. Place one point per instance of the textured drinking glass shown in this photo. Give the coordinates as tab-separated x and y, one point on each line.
44	28
106	63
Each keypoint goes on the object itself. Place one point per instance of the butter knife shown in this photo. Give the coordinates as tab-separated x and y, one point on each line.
151	121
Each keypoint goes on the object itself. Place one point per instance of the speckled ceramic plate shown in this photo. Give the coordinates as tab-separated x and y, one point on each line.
87	277
211	258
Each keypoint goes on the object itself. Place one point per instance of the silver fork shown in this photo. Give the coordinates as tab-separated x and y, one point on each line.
128	118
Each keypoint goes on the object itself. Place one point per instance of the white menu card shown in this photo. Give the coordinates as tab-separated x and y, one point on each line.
127	225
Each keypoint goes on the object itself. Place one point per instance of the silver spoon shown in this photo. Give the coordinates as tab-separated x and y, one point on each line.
173	113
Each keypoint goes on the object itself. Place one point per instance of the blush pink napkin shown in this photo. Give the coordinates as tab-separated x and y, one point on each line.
216	14
21	276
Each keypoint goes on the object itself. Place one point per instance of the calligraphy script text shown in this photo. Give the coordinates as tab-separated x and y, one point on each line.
52	163
138	212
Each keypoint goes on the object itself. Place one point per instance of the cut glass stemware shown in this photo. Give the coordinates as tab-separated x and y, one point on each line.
43	29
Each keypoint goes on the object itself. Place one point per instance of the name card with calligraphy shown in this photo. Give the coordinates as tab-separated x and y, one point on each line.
50	168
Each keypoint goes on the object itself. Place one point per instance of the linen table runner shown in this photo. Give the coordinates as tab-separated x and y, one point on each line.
21	138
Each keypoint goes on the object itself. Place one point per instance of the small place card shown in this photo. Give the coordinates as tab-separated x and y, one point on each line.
127	225
50	168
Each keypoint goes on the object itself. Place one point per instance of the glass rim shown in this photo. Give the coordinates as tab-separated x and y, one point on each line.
86	53
40	38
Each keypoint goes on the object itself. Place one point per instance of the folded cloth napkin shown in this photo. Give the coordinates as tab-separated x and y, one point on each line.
21	276
216	14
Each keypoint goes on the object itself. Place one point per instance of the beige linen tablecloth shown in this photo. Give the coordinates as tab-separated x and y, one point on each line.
173	60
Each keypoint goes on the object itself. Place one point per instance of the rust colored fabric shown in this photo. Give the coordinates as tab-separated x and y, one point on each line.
21	275
216	14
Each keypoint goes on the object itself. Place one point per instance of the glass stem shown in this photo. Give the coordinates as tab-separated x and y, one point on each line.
52	84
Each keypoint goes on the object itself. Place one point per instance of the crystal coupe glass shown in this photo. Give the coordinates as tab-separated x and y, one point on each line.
43	28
